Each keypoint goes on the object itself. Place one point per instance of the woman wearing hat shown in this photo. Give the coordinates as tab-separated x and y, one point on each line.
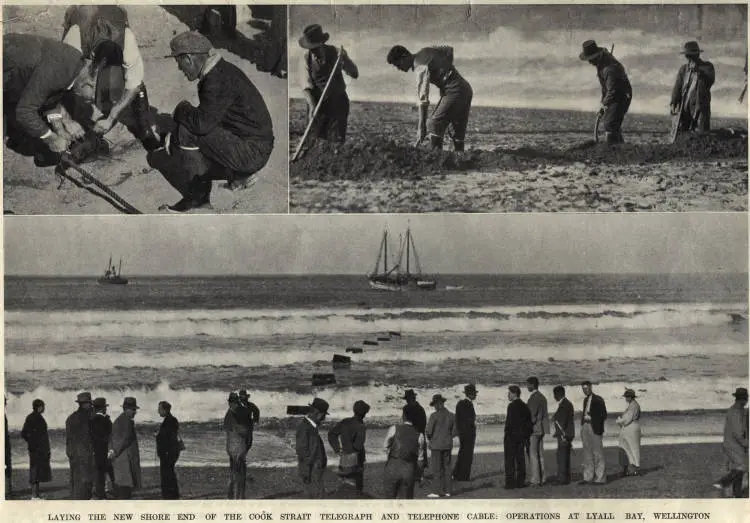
124	452
318	63
630	435
34	433
691	95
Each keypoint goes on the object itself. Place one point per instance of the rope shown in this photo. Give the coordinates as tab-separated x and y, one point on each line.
66	161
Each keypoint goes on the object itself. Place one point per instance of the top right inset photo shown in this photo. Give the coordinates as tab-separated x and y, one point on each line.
518	108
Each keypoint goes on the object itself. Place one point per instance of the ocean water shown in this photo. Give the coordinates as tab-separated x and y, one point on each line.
192	340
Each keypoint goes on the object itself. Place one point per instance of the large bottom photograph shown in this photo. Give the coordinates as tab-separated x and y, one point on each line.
351	357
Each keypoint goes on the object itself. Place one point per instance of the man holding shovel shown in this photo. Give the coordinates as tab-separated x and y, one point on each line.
616	90
434	65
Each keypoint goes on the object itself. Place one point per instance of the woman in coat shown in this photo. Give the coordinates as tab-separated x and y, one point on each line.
34	433
124	453
630	435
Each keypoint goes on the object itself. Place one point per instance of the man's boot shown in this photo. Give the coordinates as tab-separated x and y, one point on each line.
198	195
436	142
142	113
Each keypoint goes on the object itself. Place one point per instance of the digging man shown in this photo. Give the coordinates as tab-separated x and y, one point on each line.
434	65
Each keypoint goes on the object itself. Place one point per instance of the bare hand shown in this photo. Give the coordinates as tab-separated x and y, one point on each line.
111	454
602	109
673	109
168	146
103	126
74	129
57	144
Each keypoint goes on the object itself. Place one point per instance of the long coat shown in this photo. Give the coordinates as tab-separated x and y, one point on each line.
735	437
79	445
35	435
127	460
309	447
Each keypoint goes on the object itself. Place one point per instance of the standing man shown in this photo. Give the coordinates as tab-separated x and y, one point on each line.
518	428
564	432
311	453
537	404
229	136
467	434
101	430
691	94
348	437
405	447
434	65
317	69
79	446
416	413
237	428
34	433
124	452
735	444
253	413
168	450
441	428
616	90
8	456
592	432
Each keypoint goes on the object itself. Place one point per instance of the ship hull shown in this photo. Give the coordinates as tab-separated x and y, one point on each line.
385	286
112	281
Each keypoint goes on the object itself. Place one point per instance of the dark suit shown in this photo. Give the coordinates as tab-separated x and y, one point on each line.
564	432
79	448
34	433
311	458
349	435
518	429
101	429
8	463
467	437
418	418
168	450
594	466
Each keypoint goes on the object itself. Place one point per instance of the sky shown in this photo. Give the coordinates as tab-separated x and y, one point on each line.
348	244
527	55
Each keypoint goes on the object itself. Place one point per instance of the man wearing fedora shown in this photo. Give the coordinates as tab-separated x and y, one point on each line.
101	430
79	447
518	428
416	413
124	452
434	65
440	431
229	136
317	69
735	445
691	94
616	90
311	453
467	434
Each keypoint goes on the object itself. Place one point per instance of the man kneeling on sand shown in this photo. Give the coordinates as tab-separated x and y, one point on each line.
229	136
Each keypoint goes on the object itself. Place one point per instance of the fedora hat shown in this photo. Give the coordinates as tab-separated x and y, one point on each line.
590	50
470	388
129	403
233	398
437	398
629	393
690	48
313	36
740	393
100	403
84	397
409	393
320	405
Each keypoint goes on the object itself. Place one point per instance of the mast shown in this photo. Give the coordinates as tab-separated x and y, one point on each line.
119	271
385	251
408	246
109	263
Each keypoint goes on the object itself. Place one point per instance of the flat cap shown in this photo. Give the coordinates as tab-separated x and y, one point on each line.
189	42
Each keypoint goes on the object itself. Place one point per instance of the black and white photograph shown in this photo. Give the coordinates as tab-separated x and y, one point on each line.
518	108
143	109
506	356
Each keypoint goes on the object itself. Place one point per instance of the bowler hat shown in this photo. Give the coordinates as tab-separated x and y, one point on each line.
129	403
313	36
100	403
84	397
437	398
470	389
691	48
361	408
740	393
629	393
189	42
590	50
409	393
320	405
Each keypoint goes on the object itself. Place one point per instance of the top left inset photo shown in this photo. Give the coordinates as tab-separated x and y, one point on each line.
145	109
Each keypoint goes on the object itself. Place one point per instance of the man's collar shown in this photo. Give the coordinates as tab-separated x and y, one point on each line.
210	63
311	422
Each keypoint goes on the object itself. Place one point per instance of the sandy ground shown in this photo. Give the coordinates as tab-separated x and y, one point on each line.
516	165
668	471
32	190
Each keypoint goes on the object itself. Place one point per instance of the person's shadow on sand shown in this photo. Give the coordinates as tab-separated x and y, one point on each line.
266	49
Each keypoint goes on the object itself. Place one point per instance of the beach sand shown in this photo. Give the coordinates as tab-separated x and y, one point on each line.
29	189
669	471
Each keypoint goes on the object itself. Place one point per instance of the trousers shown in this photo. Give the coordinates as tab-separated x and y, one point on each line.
594	464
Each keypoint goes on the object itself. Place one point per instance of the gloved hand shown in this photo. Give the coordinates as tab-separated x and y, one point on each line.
56	143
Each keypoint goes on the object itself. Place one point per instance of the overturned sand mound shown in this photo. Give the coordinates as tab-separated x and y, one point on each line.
380	158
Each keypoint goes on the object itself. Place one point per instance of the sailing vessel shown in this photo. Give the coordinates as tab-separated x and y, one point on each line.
112	276
394	279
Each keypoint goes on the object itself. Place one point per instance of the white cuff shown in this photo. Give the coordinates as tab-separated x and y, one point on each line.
46	135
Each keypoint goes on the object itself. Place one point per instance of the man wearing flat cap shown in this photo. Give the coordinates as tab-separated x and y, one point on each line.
101	430
348	437
691	94
735	445
124	452
79	447
440	431
616	90
229	136
311	453
467	434
317	68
